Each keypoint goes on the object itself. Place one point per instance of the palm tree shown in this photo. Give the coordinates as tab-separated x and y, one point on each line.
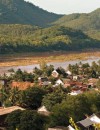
14	96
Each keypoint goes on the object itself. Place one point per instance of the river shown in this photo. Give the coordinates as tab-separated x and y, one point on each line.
64	64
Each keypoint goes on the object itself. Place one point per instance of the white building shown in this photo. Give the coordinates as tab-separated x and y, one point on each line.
43	110
94	119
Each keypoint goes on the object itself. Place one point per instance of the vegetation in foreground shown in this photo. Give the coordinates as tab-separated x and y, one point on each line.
57	100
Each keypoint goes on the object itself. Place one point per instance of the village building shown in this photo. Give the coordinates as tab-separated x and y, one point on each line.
58	128
68	73
43	110
59	82
95	119
70	127
75	77
62	128
21	85
86	124
92	81
55	74
1	82
76	85
73	93
43	81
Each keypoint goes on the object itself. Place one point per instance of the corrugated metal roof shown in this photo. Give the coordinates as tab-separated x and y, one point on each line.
86	122
4	111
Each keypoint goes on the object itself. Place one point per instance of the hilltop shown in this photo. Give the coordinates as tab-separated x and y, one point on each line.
25	27
21	12
89	23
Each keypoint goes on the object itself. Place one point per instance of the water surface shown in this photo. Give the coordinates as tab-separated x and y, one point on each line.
64	64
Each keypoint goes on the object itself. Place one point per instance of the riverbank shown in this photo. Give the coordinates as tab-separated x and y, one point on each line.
35	58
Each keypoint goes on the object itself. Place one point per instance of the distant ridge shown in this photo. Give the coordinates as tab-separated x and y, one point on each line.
89	23
25	27
81	21
21	12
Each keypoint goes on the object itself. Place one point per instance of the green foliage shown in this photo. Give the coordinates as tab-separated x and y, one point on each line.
32	121
13	120
85	69
19	75
14	96
25	120
21	12
89	23
46	69
26	38
32	97
76	107
53	98
13	12
73	123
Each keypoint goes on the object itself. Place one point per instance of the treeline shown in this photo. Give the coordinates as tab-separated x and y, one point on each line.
26	38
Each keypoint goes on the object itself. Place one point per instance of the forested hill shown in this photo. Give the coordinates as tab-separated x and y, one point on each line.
21	12
82	21
27	38
21	29
89	23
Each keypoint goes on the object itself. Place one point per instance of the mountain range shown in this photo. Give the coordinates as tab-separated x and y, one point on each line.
26	27
21	12
89	23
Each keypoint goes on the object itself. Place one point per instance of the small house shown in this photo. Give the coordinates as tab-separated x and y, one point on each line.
59	128
62	128
95	119
68	73
75	92
59	82
43	110
86	124
1	82
43	81
75	77
55	74
92	81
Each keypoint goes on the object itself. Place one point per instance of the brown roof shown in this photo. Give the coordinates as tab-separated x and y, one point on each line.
4	111
93	80
58	128
21	85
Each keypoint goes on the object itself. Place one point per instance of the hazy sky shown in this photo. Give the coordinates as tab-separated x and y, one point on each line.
67	6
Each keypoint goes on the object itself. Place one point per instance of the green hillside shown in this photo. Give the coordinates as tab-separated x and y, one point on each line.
21	12
27	38
89	23
21	29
